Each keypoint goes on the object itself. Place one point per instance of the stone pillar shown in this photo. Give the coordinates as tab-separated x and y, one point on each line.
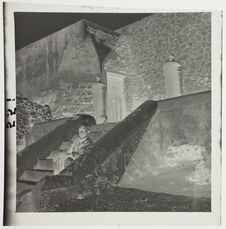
173	81
99	102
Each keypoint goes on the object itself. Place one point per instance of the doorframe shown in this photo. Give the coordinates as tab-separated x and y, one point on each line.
123	102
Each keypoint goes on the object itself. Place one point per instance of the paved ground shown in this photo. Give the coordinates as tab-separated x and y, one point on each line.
122	199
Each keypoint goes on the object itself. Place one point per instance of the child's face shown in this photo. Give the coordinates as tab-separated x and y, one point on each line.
82	132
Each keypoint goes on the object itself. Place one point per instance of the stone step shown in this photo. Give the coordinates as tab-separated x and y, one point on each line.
99	130
95	135
45	164
34	175
103	127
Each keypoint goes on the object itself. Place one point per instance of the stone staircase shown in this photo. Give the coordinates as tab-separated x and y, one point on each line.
31	177
99	130
45	167
97	171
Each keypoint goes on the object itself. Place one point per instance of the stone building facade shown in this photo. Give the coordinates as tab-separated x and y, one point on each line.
146	45
85	68
59	69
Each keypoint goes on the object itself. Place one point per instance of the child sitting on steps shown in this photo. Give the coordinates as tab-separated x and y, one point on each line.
70	150
79	144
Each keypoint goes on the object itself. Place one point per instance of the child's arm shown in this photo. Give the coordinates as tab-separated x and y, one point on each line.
85	145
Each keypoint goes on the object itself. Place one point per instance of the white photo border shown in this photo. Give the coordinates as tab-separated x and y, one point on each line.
114	218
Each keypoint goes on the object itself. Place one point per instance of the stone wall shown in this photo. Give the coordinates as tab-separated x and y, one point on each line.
69	99
146	45
28	113
174	155
58	70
